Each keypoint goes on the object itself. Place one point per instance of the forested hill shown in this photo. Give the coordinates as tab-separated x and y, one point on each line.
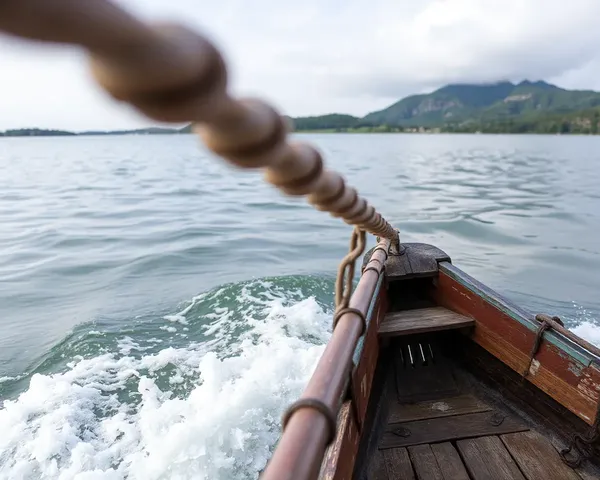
526	106
500	107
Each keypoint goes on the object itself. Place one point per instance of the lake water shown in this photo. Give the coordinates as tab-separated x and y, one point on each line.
158	310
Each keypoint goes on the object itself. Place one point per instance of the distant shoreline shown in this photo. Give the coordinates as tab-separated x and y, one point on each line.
497	108
323	131
38	132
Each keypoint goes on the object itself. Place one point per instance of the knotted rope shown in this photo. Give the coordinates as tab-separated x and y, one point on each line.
172	74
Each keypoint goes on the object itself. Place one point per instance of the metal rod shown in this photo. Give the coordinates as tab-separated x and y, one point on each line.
300	451
422	354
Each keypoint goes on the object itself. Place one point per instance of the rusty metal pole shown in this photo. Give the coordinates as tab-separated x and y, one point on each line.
300	451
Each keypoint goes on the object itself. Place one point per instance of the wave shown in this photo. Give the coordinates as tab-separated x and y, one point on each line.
201	398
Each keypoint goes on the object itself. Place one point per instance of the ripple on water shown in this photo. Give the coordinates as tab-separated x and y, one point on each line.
102	236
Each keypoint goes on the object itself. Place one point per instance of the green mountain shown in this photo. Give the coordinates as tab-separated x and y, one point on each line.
502	107
325	122
457	104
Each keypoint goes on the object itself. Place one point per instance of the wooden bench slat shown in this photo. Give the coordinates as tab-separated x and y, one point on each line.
422	320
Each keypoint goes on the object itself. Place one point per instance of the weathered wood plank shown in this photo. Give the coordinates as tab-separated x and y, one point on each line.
338	463
588	472
446	407
449	461
398	465
524	396
486	458
377	469
536	457
366	355
421	320
424	463
443	429
564	372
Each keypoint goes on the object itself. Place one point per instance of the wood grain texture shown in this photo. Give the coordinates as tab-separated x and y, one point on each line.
486	458
338	463
445	407
524	396
448	428
570	382
588	472
536	457
425	463
397	464
366	356
449	461
421	320
377	469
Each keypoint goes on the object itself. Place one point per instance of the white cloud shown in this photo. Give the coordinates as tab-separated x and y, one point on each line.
316	56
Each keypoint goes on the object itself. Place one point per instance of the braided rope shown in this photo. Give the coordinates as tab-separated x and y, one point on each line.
172	74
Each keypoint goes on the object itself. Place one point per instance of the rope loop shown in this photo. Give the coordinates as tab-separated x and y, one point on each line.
345	275
343	311
317	405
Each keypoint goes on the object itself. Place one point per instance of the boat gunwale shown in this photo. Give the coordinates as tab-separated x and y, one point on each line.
577	351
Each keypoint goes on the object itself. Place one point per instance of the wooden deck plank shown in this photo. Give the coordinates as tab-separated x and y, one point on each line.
446	407
536	457
377	469
397	463
424	462
443	429
588	472
421	320
449	461
486	458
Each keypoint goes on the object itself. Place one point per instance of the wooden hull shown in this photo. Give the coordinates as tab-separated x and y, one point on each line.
543	395
565	371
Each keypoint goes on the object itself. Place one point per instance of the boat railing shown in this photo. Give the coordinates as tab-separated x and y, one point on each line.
172	74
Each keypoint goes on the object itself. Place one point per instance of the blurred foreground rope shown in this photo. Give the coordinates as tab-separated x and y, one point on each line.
172	74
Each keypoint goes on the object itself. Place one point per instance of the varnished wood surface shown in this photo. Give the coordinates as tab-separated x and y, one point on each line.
486	458
536	457
422	320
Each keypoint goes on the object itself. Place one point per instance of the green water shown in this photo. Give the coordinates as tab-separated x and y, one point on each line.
158	309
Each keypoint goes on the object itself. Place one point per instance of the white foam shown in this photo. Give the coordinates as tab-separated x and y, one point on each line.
10	379
586	326
176	319
168	329
588	330
223	428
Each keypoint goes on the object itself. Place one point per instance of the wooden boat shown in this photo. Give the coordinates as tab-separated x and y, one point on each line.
428	373
451	381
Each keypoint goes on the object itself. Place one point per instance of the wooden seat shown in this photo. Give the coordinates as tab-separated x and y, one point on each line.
422	320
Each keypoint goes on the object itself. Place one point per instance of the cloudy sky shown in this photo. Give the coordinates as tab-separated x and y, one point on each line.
320	56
